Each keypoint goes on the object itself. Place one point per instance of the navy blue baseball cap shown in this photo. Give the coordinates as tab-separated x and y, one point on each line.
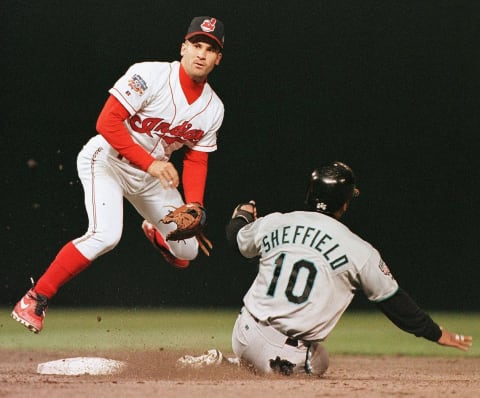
207	26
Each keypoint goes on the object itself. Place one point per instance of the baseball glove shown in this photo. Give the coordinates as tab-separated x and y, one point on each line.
190	220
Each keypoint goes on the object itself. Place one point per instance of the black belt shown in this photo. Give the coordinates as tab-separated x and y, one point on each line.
290	341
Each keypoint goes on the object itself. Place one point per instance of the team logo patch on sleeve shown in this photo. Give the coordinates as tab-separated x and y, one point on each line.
384	268
137	84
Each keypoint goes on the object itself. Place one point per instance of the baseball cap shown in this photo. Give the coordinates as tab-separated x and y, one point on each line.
207	26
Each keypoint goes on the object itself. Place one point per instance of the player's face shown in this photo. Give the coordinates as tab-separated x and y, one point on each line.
199	59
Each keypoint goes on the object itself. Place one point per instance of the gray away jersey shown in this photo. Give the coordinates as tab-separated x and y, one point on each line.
310	267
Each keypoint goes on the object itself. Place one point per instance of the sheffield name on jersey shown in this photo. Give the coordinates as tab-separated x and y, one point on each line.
312	237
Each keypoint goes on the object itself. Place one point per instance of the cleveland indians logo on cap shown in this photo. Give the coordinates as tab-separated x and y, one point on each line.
208	25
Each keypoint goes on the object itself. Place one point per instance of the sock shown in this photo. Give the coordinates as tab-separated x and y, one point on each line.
68	263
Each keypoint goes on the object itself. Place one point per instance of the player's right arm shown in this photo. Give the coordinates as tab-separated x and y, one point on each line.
110	125
243	214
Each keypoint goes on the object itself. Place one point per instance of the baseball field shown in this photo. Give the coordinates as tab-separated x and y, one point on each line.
368	356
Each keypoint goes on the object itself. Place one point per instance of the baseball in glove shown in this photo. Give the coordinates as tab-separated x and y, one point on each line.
190	220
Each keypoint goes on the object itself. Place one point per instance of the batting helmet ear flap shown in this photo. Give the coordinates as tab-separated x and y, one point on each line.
331	186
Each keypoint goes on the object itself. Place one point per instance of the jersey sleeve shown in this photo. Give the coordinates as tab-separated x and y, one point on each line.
246	239
134	88
208	143
376	280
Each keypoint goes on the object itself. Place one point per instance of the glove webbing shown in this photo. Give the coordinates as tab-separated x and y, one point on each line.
204	243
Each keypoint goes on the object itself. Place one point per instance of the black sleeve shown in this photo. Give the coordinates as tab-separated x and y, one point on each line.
402	310
231	230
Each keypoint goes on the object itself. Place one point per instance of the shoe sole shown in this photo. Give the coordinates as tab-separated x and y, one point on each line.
167	256
28	325
205	360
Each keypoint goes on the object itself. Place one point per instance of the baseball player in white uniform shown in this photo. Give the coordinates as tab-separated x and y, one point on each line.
310	267
154	109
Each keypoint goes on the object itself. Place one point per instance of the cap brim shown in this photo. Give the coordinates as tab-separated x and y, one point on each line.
202	33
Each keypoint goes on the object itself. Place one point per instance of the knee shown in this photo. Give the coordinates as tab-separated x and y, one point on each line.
106	241
187	249
96	243
109	243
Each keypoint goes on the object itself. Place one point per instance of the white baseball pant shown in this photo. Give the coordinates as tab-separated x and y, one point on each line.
258	344
107	179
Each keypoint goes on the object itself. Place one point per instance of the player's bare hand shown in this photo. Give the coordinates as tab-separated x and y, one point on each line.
459	341
165	172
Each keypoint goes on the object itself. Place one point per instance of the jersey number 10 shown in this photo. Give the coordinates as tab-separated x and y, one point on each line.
292	280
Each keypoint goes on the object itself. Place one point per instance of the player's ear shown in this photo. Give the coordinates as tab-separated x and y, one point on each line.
219	58
183	48
340	212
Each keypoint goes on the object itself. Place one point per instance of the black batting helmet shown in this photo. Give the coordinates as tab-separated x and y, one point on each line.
331	185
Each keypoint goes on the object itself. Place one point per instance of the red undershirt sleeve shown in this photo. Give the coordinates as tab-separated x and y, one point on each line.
110	125
194	176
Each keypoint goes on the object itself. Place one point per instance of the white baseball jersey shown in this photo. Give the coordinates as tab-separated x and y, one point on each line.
162	121
310	267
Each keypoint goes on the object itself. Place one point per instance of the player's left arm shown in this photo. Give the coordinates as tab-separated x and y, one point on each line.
194	175
404	312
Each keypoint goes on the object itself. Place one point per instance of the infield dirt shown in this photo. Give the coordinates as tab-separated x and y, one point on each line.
155	374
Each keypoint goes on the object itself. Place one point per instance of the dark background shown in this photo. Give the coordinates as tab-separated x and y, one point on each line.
391	88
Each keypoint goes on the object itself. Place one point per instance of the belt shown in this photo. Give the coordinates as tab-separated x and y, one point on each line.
290	341
125	160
